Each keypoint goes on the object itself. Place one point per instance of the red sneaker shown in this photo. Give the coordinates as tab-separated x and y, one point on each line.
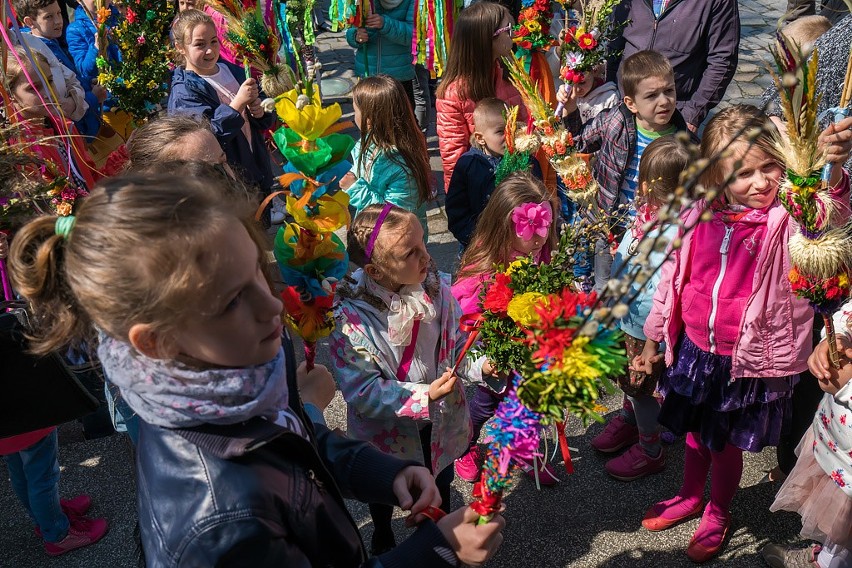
469	465
655	521
617	434
82	532
635	464
76	506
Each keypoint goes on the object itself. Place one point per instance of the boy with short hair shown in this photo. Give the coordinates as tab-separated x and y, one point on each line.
473	178
77	99
619	136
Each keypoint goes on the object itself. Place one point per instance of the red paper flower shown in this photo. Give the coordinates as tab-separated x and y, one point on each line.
484	502
499	294
526	44
586	41
130	16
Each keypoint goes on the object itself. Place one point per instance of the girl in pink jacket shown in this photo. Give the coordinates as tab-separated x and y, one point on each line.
736	336
481	38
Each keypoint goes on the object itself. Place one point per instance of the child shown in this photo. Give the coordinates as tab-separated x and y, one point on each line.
473	177
229	466
497	241
225	47
396	338
736	336
59	145
82	38
590	97
806	30
79	101
481	34
173	138
221	93
619	137
819	488
636	425
391	162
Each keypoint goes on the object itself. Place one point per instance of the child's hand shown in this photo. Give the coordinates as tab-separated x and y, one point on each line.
415	489
315	387
489	369
830	379
474	544
68	105
255	108
375	21
99	91
566	95
836	142
361	35
645	361
442	386
346	181
248	92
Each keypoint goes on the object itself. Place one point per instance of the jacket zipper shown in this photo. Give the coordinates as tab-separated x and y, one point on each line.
714	302
650	5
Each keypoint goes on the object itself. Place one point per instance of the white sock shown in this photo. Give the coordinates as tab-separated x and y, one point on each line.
833	556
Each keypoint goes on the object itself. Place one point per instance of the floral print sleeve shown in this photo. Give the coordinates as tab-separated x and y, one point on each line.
366	388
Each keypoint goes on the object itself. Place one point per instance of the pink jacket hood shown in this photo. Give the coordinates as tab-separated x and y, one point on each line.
775	330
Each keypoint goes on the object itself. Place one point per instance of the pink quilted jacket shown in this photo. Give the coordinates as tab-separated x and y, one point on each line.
455	119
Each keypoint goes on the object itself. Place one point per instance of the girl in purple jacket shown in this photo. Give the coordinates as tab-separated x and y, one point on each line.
736	336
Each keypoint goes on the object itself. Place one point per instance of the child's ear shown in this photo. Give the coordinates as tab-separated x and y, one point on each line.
479	138
373	271
146	341
630	104
28	21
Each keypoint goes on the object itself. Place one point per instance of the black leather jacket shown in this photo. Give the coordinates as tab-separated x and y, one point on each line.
256	494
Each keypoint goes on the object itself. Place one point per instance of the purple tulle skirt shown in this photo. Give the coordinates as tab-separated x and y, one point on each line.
748	413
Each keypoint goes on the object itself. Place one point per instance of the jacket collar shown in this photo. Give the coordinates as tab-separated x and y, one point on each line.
233	440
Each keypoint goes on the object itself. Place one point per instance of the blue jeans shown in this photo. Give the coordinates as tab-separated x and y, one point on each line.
34	472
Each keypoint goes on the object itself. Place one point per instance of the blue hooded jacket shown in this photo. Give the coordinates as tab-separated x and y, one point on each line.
80	36
191	94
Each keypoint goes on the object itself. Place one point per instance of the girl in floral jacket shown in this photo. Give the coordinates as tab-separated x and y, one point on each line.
397	336
820	486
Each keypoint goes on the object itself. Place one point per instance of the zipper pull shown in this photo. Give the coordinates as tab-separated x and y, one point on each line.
726	242
313	477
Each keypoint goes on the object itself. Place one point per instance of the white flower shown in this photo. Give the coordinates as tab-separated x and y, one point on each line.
573	59
268	105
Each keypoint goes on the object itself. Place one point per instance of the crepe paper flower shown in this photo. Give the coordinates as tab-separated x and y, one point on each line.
315	278
310	317
522	308
587	41
498	294
297	246
328	214
516	265
130	16
103	15
573	59
532	219
309	122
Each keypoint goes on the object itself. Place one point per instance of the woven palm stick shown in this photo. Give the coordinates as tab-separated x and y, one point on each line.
831	338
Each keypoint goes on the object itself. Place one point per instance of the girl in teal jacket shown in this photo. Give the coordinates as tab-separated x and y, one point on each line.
386	40
391	159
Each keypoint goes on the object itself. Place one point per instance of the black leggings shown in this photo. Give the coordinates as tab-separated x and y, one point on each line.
382	513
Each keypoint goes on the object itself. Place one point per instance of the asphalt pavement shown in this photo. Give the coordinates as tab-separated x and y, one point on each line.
587	520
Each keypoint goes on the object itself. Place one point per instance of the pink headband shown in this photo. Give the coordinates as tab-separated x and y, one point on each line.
371	243
532	219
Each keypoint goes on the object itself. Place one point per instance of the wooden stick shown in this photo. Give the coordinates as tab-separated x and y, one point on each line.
831	338
847	83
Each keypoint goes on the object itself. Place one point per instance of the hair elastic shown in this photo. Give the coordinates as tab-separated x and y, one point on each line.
371	243
64	225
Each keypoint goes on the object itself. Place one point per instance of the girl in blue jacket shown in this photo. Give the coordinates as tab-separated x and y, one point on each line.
391	159
221	93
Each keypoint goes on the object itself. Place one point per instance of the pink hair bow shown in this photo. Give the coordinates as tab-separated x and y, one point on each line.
532	219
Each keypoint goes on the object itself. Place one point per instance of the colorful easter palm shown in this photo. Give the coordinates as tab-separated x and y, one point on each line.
821	251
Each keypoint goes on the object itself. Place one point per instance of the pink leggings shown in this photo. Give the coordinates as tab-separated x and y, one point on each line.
725	467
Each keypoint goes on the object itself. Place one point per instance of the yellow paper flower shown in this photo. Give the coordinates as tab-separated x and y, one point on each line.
332	213
576	362
309	246
517	265
522	308
533	26
311	120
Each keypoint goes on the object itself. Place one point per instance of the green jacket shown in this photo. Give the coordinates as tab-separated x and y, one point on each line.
389	48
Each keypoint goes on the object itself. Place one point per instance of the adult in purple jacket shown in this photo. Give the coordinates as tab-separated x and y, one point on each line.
701	39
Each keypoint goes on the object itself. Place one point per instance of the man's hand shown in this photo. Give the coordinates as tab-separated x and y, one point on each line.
415	489
474	544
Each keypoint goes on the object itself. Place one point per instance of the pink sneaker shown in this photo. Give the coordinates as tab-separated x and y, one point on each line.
82	532
617	434
635	464
74	507
469	465
546	474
